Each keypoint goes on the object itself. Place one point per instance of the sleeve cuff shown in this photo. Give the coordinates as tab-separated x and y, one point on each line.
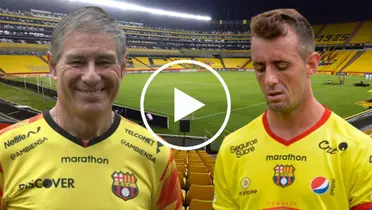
365	206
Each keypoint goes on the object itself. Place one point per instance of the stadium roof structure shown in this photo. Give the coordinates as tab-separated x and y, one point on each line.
317	12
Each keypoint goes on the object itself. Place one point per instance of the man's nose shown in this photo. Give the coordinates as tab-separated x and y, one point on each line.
271	76
90	76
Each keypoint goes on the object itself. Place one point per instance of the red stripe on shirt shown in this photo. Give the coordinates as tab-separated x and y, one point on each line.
366	206
170	192
326	114
170	160
35	118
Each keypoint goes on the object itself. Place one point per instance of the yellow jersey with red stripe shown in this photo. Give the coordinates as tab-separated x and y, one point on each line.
329	167
44	167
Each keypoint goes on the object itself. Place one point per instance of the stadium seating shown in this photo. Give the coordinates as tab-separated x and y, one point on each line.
236	63
361	64
316	28
195	172
197	204
212	62
364	34
335	60
336	33
25	64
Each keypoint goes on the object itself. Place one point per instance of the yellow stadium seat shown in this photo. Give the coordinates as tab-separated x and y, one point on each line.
198	179
181	169
201	192
197	169
200	205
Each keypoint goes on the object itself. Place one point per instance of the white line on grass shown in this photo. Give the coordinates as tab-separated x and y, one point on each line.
252	105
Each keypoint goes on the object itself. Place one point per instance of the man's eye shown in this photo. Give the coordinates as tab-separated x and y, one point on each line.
259	68
103	63
77	63
282	66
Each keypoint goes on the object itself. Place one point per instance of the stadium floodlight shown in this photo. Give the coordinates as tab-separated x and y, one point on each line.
133	7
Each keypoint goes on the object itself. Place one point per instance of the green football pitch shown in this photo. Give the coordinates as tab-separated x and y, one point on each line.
247	100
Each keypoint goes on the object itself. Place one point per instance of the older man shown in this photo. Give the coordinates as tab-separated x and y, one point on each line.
80	154
298	154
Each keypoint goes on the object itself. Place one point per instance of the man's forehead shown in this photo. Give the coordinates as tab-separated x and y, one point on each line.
77	40
273	49
89	53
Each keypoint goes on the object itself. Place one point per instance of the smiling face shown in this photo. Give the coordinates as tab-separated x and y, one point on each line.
88	73
282	73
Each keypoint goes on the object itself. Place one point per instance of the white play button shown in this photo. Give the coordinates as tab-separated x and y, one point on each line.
184	105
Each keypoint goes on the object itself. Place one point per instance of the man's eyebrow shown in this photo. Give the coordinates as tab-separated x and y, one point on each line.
75	56
106	56
257	63
280	61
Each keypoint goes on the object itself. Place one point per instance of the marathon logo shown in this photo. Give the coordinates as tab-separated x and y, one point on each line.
290	157
138	150
28	148
20	138
85	159
48	183
244	149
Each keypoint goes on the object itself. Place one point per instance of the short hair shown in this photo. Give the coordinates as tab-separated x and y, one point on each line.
92	20
273	24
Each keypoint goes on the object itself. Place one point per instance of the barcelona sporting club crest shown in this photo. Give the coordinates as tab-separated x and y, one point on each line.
284	175
124	185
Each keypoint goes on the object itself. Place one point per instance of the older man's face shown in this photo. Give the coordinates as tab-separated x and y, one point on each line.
88	73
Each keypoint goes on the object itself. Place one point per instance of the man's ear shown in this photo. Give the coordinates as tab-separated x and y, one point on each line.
52	65
312	63
124	65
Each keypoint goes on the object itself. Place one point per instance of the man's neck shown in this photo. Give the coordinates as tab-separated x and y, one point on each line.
85	128
292	124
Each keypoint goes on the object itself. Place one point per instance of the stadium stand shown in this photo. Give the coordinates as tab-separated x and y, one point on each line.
361	64
335	60
364	35
21	65
335	33
236	63
195	172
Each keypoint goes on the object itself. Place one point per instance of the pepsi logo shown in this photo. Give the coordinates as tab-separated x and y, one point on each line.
320	185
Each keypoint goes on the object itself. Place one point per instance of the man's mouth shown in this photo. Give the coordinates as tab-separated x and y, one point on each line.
91	92
274	93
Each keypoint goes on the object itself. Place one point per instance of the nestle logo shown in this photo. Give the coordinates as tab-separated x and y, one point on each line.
20	137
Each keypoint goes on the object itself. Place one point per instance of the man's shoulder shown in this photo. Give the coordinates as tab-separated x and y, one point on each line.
247	132
20	127
343	129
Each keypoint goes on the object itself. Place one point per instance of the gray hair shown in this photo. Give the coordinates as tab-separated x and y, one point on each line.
88	19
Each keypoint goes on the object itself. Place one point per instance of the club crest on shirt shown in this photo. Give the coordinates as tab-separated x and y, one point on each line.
284	175
124	185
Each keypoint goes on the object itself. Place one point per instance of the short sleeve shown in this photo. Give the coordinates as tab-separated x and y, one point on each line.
169	193
361	186
222	197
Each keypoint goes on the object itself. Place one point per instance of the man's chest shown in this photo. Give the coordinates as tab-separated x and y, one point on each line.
270	175
78	180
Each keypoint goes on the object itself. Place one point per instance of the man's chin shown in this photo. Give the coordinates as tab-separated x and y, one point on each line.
279	107
92	109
